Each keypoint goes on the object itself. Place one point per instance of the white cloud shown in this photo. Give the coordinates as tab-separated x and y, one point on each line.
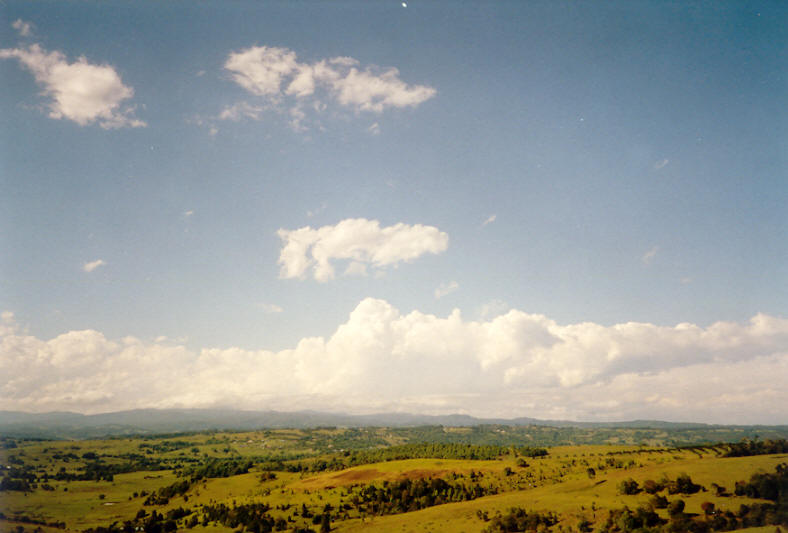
489	220
261	69
279	80
446	289
25	29
649	256
271	308
661	164
93	265
374	129
358	240
241	110
188	213
80	91
517	364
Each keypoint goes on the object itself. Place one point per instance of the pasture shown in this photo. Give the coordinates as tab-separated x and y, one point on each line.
323	480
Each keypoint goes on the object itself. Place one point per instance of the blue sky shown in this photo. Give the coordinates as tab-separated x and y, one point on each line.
441	165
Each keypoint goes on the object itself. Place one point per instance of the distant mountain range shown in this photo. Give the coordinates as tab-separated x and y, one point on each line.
157	421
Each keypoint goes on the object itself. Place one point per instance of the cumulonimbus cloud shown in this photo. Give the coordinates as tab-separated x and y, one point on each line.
276	77
79	91
359	241
516	364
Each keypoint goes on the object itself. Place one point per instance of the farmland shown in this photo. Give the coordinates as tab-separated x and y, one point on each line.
486	478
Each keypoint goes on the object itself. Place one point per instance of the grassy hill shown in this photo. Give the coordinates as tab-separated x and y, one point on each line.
374	480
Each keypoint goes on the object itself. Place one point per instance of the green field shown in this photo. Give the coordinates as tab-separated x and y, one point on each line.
379	480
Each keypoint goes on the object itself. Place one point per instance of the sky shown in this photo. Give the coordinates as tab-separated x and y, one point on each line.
568	210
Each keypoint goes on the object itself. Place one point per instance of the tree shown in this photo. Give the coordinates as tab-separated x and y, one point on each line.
708	508
676	507
325	523
628	486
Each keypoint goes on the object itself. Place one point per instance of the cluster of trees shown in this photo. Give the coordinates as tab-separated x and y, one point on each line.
642	519
154	522
219	468
19	479
254	517
768	486
681	485
406	451
411	495
163	495
748	447
518	519
772	487
97	470
29	520
165	445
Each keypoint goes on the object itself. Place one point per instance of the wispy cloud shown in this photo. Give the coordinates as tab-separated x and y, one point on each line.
661	164
79	91
241	110
649	256
489	220
93	265
25	29
314	212
445	289
493	308
358	240
271	308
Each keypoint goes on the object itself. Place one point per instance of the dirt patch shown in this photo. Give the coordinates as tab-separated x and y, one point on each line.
353	476
421	474
342	479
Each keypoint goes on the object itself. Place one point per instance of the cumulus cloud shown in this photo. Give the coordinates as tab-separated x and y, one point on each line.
79	91
90	266
360	241
516	364
446	289
276	77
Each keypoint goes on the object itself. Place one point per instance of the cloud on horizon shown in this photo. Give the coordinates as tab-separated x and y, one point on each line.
360	241
516	364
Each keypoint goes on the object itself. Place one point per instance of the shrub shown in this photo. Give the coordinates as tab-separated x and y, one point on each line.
628	486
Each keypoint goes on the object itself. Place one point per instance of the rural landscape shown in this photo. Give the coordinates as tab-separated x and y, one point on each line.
393	266
635	477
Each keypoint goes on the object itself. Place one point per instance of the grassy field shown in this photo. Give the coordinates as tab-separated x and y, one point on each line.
298	480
